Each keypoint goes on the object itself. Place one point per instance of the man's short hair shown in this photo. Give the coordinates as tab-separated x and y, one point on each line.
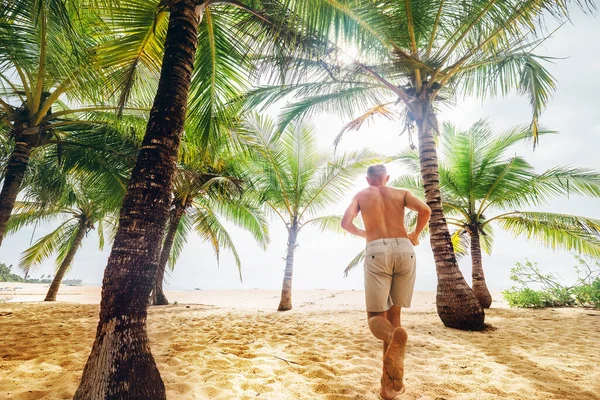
376	171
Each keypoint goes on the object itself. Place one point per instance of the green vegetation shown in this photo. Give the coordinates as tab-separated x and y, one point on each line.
551	292
7	276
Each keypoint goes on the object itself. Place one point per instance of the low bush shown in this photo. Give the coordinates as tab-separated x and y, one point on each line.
552	293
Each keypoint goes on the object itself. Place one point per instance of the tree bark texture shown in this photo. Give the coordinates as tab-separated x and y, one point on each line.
457	305
286	291
159	298
479	287
64	266
120	365
13	177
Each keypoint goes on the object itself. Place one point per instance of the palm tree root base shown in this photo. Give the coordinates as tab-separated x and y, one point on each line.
460	310
121	365
160	299
483	295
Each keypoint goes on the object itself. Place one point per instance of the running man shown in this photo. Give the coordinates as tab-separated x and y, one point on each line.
389	266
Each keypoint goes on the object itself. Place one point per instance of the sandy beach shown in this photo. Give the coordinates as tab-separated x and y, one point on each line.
233	345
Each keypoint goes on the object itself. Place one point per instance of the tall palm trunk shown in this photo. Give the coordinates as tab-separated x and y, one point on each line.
159	298
13	177
286	291
120	365
479	287
457	306
64	266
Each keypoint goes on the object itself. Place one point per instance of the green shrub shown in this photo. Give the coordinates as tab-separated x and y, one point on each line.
588	294
526	298
552	293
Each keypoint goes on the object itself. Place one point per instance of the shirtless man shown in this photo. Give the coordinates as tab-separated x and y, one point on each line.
389	266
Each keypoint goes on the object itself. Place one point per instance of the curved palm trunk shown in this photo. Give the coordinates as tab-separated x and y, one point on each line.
64	266
120	365
286	291
15	171
479	287
159	298
456	303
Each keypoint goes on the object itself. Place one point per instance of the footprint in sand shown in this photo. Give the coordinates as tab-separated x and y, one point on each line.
392	381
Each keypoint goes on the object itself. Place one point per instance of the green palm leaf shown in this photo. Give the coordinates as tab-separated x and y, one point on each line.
208	226
327	223
357	260
569	232
47	245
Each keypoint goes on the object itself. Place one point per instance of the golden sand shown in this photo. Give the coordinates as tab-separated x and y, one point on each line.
320	350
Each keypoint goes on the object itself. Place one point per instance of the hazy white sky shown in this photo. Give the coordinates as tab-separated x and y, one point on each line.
321	258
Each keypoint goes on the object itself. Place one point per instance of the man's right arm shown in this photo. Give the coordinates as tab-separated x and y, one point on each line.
348	219
423	211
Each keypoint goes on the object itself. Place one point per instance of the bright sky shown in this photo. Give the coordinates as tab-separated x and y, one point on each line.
321	258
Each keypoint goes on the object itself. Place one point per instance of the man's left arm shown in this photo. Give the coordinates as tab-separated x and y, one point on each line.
348	219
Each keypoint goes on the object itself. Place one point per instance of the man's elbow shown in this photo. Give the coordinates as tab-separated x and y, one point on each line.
426	211
345	224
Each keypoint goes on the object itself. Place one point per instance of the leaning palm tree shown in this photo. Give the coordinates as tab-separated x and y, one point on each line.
46	62
411	56
78	212
483	187
295	181
203	195
81	189
120	364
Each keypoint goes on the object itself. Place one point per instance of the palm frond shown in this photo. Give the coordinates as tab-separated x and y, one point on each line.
209	228
359	258
569	232
186	225
328	223
47	245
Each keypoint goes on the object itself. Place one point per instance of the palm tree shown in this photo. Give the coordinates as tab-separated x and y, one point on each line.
80	186
46	61
203	194
79	211
120	364
481	187
295	181
411	56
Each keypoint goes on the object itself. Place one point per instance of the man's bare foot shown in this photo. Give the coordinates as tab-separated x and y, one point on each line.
393	361
387	391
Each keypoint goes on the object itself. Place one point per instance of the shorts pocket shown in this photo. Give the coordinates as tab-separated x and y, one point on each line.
405	263
375	262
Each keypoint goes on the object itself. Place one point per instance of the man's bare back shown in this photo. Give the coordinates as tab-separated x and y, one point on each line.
382	210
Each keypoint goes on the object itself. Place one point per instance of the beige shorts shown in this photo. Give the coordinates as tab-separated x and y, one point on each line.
390	272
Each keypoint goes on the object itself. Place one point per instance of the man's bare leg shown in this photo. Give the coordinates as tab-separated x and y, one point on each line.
392	315
383	326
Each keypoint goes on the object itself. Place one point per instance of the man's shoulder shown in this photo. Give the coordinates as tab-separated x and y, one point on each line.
371	191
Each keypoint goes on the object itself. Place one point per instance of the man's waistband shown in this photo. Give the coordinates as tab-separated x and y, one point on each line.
389	241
